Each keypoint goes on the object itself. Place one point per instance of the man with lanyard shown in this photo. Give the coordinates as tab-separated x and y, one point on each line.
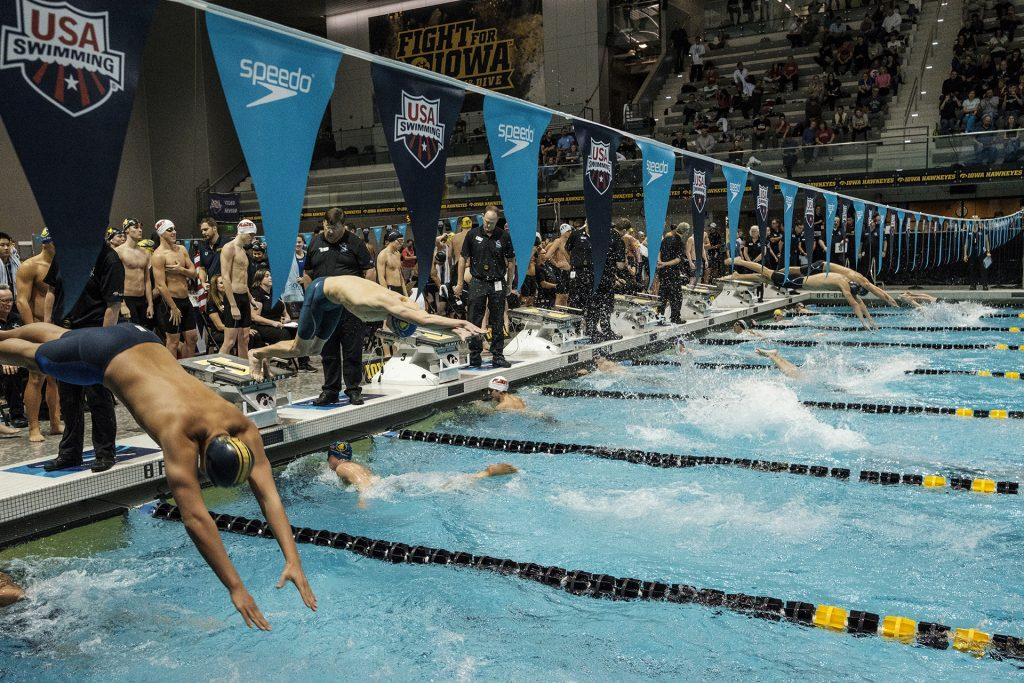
339	251
670	273
9	263
487	255
98	306
209	249
976	250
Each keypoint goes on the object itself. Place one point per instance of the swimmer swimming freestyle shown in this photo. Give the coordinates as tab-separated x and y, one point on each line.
196	429
326	299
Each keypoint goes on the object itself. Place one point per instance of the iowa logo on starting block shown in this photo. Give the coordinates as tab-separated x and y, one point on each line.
64	54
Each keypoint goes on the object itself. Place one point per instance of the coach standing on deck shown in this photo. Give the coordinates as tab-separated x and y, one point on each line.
339	251
98	306
209	249
488	256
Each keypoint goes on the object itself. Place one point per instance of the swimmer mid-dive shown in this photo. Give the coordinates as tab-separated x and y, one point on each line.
339	459
196	429
787	368
915	299
327	298
818	268
850	289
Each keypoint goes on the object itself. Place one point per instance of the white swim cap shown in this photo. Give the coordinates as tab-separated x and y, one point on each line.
163	225
246	227
498	384
565	227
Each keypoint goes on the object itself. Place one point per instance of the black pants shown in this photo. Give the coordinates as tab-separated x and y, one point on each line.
978	271
14	393
601	305
670	295
104	421
482	296
581	294
344	348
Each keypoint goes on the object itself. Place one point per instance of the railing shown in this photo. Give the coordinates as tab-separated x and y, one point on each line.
915	90
915	152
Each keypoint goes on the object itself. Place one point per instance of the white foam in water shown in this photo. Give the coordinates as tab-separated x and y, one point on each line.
660	436
416	484
765	411
843	370
952	314
687	504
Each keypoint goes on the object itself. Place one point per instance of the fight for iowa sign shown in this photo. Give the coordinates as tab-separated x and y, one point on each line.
494	45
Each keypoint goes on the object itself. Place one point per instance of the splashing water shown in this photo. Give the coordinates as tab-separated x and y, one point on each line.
842	370
967	313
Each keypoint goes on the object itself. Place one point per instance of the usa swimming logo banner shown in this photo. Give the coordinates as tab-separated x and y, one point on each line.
762	190
418	116
514	131
789	200
68	75
735	186
659	170
858	230
599	145
882	211
700	175
277	88
831	204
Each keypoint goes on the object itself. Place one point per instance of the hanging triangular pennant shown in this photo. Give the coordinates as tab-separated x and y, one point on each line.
659	170
831	204
598	146
700	172
735	186
789	191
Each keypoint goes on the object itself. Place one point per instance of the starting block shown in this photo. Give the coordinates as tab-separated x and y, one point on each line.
427	358
633	314
229	377
544	333
735	294
696	302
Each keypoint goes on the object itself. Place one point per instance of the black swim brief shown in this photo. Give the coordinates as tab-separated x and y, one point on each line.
163	316
81	356
244	310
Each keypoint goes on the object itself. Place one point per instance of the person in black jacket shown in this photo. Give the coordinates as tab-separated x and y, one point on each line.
670	272
488	257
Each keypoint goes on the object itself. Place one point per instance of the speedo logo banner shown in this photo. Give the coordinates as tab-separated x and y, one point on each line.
659	169
514	131
277	88
788	191
418	116
736	185
68	74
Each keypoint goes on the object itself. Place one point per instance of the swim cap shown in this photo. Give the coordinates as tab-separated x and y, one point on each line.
743	324
391	237
112	233
779	313
163	225
403	328
146	244
227	461
856	289
342	450
45	237
466	222
129	223
498	384
246	227
564	228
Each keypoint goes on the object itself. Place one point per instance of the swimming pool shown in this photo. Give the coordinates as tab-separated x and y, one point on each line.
143	603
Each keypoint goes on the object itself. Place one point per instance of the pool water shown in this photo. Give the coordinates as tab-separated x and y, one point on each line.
146	605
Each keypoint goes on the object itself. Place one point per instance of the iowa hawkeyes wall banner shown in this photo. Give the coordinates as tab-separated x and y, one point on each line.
418	116
277	88
700	172
599	145
659	169
68	74
514	131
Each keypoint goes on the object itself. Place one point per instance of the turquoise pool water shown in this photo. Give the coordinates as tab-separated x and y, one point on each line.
148	606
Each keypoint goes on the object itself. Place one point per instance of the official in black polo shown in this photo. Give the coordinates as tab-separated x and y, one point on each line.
581	275
337	250
209	248
670	273
488	256
98	306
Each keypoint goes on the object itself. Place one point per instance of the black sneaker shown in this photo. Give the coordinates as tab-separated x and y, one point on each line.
326	398
62	464
500	363
355	397
475	363
19	422
102	464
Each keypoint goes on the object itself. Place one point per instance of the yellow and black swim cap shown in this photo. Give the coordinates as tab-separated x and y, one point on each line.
227	461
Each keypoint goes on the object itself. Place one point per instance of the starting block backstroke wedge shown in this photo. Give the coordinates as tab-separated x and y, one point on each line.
544	333
426	358
229	377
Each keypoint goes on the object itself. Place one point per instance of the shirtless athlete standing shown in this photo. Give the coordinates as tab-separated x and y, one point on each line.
172	269
138	286
234	271
31	305
389	264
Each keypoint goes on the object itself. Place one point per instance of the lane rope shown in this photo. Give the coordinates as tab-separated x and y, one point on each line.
807	343
876	408
672	460
908	328
1004	374
908	312
604	586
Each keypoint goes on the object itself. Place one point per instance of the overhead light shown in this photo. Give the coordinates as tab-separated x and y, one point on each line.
924	92
935	42
642	46
914	115
668	97
941	20
909	140
929	66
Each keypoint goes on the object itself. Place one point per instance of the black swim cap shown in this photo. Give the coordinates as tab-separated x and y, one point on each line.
856	289
227	461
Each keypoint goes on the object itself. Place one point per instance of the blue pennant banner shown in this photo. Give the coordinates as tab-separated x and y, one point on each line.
789	191
418	116
700	172
900	215
68	75
882	212
917	231
858	230
514	131
659	170
598	145
277	88
735	186
831	204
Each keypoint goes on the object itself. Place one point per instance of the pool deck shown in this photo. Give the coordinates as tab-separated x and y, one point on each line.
34	503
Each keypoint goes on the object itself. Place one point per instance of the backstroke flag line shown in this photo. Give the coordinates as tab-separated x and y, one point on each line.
700	172
735	186
789	191
514	131
68	75
659	170
598	145
277	115
418	116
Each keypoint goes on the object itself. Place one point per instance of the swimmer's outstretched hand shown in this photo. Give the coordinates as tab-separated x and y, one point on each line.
294	573
498	469
467	330
246	606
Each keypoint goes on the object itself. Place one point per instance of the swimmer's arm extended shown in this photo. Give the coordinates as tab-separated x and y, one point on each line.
202	530
410	312
10	592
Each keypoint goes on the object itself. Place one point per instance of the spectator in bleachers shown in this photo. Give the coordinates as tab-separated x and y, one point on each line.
790	75
1011	142
824	136
1009	23
841	123
789	152
949	114
697	52
794	32
680	47
859	125
565	141
704	143
732	7
894	20
970	108
985	152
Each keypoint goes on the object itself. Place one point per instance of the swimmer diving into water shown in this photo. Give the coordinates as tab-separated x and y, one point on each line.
325	300
915	299
195	428
339	459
